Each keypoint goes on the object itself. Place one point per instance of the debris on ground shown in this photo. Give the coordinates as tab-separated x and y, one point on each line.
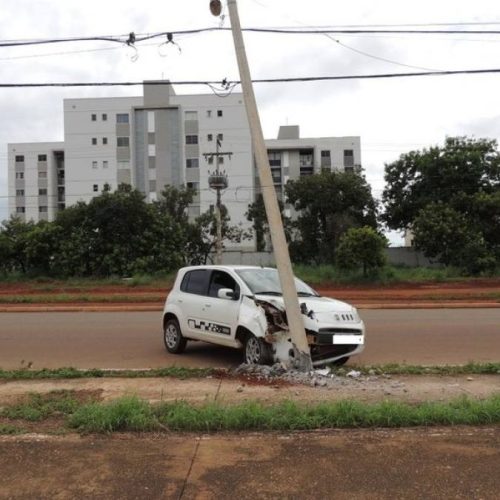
323	378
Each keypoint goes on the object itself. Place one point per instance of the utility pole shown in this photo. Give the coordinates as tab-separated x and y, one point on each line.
283	263
217	180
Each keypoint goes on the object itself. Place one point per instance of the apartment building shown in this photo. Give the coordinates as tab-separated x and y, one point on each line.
159	139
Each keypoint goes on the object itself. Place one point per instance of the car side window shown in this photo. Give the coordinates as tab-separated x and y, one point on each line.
220	279
196	282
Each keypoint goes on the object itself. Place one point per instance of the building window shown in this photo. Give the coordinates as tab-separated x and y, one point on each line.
20	210
42	192
191	139
221	160
192	163
104	140
210	160
220	137
210	137
274	159
122	142
94	164
19	175
19	192
93	117
276	173
191	115
94	141
152	186
19	158
325	153
42	175
105	164
219	112
96	188
104	117
209	113
42	209
122	118
348	158
193	185
123	164
42	157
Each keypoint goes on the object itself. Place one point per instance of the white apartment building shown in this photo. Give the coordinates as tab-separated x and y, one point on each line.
155	140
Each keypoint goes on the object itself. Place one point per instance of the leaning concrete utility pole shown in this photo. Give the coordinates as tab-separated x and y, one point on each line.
283	263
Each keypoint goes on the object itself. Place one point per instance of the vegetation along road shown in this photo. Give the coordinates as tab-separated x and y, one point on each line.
134	339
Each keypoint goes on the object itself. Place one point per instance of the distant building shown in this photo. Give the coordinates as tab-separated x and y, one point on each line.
156	140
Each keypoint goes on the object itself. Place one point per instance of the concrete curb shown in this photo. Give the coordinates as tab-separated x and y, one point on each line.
157	308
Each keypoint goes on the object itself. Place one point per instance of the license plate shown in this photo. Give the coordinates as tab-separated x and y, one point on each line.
347	339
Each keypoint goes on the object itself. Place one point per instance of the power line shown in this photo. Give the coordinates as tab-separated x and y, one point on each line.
133	39
258	80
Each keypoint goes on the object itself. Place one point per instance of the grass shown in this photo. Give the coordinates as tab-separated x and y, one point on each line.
185	373
133	414
64	298
10	430
41	406
72	373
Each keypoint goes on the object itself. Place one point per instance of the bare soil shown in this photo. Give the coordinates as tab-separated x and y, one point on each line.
480	290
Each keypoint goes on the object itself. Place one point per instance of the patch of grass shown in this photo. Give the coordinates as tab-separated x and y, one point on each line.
132	414
41	406
402	369
71	373
64	298
10	430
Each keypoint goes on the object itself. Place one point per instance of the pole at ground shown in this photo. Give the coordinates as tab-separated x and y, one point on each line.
280	247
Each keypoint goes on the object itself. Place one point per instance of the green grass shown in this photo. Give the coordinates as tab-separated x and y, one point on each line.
133	414
72	373
64	298
185	373
328	274
10	430
41	406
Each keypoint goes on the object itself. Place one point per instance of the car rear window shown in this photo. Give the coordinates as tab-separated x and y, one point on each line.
195	282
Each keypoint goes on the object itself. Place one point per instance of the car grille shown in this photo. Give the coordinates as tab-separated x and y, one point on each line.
320	352
325	335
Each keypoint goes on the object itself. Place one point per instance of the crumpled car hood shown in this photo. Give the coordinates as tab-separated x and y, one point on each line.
316	304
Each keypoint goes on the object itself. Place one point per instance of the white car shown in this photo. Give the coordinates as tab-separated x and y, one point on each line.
243	307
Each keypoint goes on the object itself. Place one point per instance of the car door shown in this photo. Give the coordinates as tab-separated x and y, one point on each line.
191	300
220	316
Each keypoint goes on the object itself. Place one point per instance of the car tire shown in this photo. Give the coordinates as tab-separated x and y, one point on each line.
257	351
341	361
175	343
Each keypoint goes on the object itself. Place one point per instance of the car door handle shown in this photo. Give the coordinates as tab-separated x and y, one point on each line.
208	305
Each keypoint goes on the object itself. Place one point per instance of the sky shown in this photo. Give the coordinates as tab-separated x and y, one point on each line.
392	116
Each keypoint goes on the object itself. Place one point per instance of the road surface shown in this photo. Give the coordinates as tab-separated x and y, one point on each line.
134	339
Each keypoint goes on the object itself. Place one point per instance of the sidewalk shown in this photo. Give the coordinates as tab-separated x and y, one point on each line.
433	463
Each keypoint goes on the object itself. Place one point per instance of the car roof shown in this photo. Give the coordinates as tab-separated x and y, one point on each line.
223	267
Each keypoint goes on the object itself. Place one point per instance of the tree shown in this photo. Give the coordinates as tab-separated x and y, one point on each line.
362	246
461	181
328	204
256	214
13	244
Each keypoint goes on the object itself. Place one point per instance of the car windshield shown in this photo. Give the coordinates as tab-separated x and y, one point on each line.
266	282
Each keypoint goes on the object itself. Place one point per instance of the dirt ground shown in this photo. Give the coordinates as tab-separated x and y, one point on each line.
480	290
230	390
431	463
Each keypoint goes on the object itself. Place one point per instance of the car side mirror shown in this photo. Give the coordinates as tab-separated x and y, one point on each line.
227	293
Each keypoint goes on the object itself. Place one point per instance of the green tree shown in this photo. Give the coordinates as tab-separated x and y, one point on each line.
328	204
256	214
462	182
362	247
13	244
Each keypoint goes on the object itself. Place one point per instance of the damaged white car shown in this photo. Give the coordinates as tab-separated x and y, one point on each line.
242	307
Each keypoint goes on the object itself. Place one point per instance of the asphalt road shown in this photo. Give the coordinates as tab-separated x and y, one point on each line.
134	339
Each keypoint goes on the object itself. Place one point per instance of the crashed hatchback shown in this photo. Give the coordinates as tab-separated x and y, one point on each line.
242	307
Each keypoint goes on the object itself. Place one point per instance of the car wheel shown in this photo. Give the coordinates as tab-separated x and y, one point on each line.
257	351
341	361
172	336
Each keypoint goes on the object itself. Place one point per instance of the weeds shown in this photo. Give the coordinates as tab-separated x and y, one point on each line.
132	414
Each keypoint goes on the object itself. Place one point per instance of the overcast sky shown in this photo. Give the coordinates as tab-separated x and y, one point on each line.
391	116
